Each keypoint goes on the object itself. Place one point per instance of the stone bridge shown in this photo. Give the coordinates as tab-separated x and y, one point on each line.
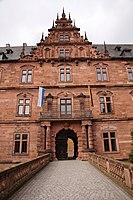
67	180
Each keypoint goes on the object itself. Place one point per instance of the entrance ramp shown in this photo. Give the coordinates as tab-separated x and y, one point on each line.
70	180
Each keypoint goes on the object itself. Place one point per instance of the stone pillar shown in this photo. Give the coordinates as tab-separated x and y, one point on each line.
42	137
83	136
48	138
90	137
48	134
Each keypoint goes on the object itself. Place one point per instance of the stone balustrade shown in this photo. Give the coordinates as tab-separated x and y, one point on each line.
11	179
121	172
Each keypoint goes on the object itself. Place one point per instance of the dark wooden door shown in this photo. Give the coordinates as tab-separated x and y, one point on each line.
61	147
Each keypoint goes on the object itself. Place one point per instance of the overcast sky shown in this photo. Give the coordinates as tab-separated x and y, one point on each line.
23	21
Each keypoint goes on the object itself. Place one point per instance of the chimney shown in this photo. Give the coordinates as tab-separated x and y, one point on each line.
24	44
7	45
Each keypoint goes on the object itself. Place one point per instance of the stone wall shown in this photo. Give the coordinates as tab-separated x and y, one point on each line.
47	74
119	171
11	179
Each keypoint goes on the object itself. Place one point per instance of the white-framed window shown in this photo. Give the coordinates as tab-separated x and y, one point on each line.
64	53
102	74
21	143
65	107
24	106
64	37
65	74
130	73
105	104
26	76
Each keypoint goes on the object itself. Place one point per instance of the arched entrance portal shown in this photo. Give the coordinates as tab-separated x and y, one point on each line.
63	144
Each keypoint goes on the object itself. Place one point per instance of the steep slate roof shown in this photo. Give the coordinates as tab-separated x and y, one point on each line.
115	51
16	52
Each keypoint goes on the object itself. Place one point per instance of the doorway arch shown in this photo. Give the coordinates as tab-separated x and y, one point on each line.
62	144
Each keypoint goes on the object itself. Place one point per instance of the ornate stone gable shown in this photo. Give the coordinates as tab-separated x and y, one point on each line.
64	42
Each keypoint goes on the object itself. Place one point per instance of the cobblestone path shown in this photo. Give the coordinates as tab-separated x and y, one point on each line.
70	180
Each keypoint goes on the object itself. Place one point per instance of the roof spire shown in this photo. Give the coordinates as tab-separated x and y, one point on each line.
74	23
86	36
53	24
69	16
105	48
42	39
63	14
57	16
22	54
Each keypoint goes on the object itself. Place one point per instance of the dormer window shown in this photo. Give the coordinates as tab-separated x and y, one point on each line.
3	56
64	37
126	52
118	48
9	51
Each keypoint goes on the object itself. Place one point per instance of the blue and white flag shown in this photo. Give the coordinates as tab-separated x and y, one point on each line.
41	96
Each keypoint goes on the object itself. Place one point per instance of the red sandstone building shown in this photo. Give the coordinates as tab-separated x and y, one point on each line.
67	125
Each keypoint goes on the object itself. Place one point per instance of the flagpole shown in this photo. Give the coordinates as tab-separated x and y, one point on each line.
90	100
41	94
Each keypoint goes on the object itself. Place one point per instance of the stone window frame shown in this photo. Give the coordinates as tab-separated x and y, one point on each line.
27	68
110	139
64	37
81	51
49	100
105	94
24	97
131	72
65	70
131	93
102	66
1	74
65	95
64	53
21	143
47	52
66	104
